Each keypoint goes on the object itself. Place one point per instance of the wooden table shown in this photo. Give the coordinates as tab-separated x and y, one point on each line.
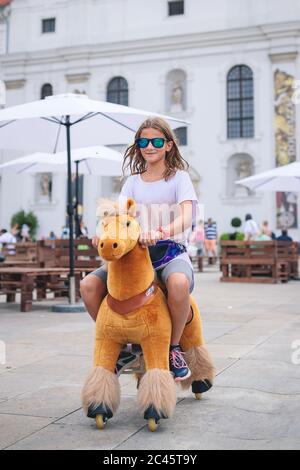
26	279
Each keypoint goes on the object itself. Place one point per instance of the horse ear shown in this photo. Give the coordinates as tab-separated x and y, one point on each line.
131	207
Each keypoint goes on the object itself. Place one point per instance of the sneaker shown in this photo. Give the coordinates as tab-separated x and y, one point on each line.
126	359
178	366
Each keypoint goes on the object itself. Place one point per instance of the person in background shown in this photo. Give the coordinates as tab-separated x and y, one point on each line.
52	236
197	237
65	234
25	233
265	230
210	241
83	230
251	229
8	239
284	237
16	232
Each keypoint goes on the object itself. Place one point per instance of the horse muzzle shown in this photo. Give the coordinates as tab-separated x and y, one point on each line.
110	249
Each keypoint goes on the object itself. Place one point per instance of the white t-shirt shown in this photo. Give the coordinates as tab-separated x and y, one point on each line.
7	238
158	201
251	228
9	241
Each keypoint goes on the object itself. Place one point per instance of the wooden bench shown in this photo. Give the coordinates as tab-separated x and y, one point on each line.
288	256
24	254
55	254
26	280
48	271
197	262
256	261
86	257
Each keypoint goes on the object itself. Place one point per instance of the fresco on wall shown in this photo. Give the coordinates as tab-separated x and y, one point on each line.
285	144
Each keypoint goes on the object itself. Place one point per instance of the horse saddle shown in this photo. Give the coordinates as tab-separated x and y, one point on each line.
128	305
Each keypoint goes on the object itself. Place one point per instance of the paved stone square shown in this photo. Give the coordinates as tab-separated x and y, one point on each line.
255	403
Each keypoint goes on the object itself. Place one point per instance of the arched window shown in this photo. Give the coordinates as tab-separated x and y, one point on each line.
240	107
46	90
181	134
117	91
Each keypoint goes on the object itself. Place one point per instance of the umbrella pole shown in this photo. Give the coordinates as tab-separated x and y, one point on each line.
77	228
70	211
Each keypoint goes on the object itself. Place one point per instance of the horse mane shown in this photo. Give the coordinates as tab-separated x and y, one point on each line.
111	208
107	208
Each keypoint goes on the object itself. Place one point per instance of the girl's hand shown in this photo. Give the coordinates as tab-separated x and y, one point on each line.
165	233
95	241
150	238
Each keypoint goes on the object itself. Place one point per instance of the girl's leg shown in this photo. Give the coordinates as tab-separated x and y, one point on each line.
178	277
178	287
93	289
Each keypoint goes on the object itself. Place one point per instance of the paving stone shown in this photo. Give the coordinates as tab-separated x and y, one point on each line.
254	404
15	428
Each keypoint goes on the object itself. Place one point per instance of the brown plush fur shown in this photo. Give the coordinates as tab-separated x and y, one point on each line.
130	272
101	386
157	388
200	364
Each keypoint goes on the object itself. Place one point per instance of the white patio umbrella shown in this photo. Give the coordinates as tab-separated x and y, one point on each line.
99	160
283	178
39	126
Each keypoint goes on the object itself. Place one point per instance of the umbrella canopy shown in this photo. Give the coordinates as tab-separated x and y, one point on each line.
39	125
99	160
283	178
49	125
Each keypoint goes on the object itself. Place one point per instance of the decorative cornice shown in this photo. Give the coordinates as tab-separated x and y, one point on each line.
187	43
77	77
14	84
283	57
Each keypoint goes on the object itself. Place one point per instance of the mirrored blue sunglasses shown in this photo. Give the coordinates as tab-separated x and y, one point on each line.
157	142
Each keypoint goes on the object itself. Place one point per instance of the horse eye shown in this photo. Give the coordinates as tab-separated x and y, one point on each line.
128	223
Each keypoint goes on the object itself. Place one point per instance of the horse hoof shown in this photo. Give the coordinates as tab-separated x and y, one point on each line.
201	386
152	424
100	421
198	396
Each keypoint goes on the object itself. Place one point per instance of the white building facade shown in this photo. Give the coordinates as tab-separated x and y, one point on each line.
226	66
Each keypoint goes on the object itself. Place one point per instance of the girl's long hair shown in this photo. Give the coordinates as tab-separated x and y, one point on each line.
174	161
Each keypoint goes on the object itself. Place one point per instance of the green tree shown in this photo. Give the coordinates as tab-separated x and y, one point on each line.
29	218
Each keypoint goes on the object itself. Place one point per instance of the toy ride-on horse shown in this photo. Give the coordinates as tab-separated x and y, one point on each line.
135	311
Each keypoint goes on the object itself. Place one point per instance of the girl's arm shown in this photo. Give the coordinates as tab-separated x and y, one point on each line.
181	223
178	226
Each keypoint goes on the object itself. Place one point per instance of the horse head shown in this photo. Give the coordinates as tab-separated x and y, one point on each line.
118	228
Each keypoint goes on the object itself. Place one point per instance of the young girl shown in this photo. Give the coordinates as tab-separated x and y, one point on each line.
158	180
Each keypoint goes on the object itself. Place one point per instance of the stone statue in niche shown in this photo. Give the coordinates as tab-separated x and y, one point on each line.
243	169
177	97
45	187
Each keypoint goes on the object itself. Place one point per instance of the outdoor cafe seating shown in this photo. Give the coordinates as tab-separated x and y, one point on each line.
259	261
43	267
